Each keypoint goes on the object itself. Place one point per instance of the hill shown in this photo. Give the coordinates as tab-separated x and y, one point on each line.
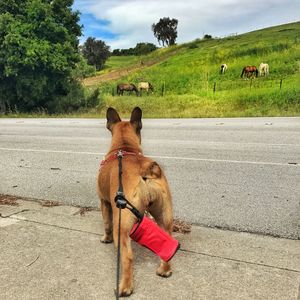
188	83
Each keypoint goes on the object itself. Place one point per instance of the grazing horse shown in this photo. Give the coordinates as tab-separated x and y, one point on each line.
145	86
249	71
128	87
263	69
223	69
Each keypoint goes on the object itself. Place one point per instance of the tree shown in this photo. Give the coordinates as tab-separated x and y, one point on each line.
207	37
83	69
38	51
116	52
96	52
140	49
165	31
144	48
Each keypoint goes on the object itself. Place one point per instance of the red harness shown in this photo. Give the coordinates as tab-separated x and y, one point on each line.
115	155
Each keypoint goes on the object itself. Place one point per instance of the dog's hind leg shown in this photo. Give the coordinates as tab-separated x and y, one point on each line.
107	221
164	269
163	215
127	221
126	285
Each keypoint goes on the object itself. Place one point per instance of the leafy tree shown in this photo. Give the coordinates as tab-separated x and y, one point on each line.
207	37
96	52
38	51
116	52
140	49
83	69
165	31
144	48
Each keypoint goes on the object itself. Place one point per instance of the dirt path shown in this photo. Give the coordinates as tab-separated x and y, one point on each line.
117	74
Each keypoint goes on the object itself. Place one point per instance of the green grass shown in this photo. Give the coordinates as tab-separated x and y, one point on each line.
117	62
189	72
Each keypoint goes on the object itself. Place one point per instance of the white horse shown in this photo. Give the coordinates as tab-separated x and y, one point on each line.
223	68
263	69
145	85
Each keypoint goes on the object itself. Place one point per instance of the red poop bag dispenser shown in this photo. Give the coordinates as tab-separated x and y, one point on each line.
148	234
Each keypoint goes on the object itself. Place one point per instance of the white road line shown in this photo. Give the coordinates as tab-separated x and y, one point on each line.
226	161
160	157
52	151
151	140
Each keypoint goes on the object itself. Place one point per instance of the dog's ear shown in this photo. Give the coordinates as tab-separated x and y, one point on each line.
112	118
136	119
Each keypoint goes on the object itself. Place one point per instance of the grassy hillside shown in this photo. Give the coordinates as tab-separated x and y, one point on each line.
189	72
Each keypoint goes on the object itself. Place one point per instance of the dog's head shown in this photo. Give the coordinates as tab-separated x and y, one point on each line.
128	132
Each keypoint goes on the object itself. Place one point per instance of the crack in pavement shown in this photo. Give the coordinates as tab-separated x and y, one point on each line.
238	260
181	249
23	210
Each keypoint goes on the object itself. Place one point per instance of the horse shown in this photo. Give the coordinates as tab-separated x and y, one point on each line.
249	71
263	69
145	85
223	69
128	87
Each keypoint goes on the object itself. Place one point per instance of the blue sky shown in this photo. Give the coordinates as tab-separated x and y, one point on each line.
96	27
123	23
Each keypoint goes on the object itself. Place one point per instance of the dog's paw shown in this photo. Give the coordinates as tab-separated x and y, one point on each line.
161	271
125	292
106	239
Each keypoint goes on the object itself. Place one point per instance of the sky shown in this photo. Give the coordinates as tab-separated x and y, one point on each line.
124	23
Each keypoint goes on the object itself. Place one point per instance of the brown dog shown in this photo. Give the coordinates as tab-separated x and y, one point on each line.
145	186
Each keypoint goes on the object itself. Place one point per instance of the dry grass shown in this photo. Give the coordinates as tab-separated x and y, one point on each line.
181	226
82	210
178	224
50	203
8	200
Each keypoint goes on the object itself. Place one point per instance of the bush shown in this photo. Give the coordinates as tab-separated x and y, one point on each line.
83	69
140	49
193	45
93	100
72	101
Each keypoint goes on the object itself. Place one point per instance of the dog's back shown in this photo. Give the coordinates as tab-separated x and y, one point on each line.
143	181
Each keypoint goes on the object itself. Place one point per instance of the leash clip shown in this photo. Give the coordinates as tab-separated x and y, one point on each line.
120	200
120	154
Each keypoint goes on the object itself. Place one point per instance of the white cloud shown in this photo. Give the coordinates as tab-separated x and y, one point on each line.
131	20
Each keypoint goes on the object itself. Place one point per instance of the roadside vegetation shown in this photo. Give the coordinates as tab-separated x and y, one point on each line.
186	79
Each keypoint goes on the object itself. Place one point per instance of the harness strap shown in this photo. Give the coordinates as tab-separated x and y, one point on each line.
115	155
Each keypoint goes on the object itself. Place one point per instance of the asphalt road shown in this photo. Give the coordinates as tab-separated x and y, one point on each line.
241	174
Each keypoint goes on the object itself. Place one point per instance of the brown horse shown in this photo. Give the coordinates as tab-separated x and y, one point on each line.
249	71
128	87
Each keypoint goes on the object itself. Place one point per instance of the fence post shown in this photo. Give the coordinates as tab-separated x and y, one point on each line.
163	89
214	87
280	83
207	81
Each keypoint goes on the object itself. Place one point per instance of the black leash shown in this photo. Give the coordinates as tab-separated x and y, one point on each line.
121	203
